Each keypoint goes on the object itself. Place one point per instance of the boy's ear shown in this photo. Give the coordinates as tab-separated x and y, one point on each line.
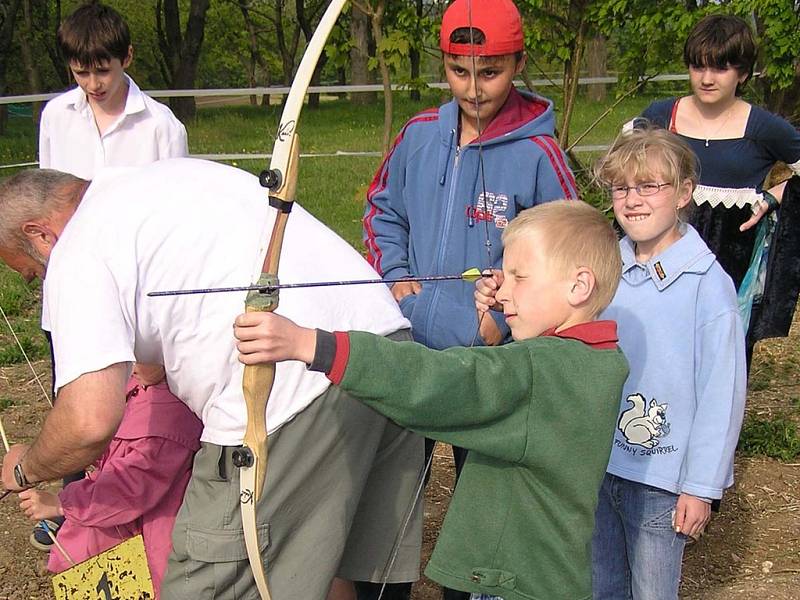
583	284
128	58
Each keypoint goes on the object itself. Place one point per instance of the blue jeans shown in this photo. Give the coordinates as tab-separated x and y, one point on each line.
636	554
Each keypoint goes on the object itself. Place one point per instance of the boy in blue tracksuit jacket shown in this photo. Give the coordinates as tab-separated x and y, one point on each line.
457	175
432	206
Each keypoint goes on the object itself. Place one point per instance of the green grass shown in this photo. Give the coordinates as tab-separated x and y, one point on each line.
776	438
21	304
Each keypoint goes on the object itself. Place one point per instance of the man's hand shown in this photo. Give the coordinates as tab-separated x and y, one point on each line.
10	460
486	290
401	289
38	505
267	337
691	515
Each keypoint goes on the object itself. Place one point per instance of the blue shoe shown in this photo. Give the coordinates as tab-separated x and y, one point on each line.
40	539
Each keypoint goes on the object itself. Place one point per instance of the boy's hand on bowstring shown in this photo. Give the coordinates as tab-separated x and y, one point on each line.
486	290
267	337
38	504
401	289
691	515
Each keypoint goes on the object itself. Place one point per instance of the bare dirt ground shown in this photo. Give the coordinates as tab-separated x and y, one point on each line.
751	551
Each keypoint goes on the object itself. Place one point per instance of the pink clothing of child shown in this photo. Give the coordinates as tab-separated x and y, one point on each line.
138	483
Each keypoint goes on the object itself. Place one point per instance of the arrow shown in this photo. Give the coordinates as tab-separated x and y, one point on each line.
468	275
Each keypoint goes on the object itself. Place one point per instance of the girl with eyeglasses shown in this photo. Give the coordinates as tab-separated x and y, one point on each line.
682	405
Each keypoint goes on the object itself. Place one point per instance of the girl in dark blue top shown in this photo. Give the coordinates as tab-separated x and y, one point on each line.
736	145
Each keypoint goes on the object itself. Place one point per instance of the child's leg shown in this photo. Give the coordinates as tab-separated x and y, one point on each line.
611	575
654	549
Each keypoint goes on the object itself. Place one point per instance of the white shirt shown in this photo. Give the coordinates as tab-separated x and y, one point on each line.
187	223
69	140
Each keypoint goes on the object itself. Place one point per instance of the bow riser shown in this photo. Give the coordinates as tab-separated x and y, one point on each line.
257	380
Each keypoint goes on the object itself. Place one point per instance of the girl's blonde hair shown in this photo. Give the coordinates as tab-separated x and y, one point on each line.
642	154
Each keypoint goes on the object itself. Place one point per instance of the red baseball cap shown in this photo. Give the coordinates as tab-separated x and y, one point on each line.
499	21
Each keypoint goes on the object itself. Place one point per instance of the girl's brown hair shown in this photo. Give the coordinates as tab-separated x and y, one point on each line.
721	41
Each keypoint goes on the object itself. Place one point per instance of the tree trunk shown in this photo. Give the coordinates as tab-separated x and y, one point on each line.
377	34
29	62
287	58
181	52
414	56
359	56
304	21
8	18
572	71
53	51
596	61
256	58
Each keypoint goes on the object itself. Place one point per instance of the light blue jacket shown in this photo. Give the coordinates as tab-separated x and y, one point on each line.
427	213
683	403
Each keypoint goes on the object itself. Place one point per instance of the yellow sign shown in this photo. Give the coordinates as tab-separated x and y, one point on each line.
120	573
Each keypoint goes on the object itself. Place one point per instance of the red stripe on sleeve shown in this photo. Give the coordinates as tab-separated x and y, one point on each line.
565	169
378	184
540	141
340	359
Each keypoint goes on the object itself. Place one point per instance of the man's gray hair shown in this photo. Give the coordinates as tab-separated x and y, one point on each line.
29	195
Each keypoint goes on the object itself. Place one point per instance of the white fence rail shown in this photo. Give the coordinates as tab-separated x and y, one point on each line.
267	156
321	89
318	89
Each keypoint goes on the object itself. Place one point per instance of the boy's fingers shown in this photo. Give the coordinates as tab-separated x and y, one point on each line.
252	319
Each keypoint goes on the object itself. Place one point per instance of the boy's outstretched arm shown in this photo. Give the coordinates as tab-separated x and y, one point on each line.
267	337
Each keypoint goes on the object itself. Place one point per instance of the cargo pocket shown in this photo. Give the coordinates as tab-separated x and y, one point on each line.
218	558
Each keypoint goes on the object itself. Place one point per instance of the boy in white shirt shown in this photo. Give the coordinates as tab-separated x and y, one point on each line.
106	120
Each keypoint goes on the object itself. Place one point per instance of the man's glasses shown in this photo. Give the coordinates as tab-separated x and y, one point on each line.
648	188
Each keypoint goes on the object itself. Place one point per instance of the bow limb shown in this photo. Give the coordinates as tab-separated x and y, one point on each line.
257	380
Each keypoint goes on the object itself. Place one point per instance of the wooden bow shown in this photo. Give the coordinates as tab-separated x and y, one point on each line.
257	381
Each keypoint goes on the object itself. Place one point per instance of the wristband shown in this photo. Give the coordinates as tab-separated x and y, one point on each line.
770	200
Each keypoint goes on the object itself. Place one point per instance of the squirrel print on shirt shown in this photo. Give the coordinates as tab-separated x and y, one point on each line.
643	424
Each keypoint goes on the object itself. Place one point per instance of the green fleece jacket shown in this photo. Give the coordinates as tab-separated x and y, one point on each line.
538	418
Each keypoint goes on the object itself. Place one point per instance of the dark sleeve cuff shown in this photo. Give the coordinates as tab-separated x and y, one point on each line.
324	352
331	354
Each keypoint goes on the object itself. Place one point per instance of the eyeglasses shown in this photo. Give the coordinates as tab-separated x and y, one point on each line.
648	188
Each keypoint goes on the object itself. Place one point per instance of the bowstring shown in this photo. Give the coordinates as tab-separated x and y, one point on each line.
488	245
25	356
481	170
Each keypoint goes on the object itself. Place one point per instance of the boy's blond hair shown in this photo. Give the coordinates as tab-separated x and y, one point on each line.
638	153
574	235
